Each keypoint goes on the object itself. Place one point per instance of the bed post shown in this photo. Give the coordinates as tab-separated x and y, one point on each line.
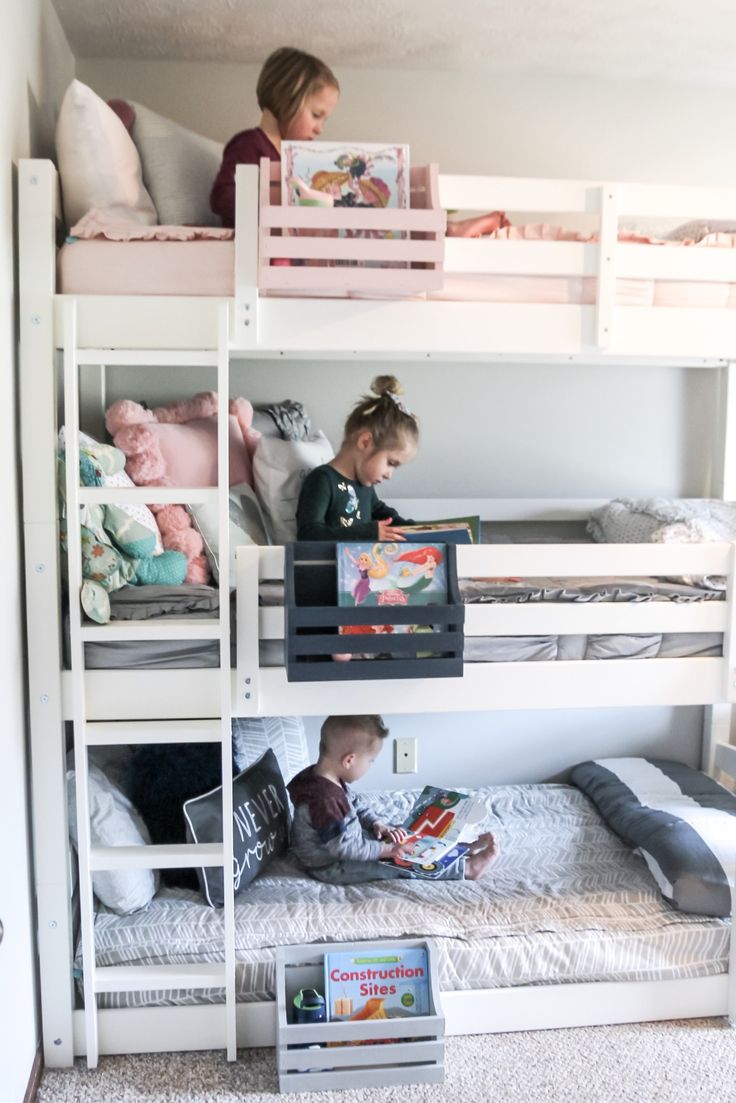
37	200
245	319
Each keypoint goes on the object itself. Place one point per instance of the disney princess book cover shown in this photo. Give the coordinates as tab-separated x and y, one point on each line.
389	575
362	174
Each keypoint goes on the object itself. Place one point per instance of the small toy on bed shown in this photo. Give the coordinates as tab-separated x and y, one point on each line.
117	549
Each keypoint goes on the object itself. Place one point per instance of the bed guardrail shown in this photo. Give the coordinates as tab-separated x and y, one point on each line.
263	687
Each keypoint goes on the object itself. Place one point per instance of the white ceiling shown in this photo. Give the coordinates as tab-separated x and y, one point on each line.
634	39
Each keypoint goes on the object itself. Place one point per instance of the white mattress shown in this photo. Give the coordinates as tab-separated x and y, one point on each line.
566	901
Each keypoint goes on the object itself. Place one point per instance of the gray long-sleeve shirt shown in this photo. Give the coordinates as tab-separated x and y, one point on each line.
331	823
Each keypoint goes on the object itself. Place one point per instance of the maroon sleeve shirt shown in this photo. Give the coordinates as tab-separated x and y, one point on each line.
246	148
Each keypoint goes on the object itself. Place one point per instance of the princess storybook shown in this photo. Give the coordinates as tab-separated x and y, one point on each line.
388	575
361	174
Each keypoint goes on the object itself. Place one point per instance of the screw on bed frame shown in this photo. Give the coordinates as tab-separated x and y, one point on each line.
35	319
40	568
33	179
247	696
44	698
247	681
57	1041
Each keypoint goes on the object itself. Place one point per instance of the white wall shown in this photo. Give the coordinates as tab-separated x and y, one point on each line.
35	66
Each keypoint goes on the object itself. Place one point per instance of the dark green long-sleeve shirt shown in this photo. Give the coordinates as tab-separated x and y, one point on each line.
332	507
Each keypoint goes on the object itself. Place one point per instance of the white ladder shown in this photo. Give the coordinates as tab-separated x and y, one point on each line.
157	729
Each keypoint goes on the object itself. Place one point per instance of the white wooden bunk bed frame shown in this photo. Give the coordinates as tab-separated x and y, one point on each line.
123	707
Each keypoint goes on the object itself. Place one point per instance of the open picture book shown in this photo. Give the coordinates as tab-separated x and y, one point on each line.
440	825
453	530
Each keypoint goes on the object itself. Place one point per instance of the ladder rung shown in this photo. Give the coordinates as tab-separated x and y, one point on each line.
179	629
152	358
145	495
152	978
121	732
172	856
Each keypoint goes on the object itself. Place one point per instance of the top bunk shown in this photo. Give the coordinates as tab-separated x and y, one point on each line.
315	282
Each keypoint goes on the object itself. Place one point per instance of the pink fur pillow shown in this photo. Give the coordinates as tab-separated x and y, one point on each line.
177	446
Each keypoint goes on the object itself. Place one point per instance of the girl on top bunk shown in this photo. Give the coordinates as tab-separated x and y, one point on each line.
338	500
296	93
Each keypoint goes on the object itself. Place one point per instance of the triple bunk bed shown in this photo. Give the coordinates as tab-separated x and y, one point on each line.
416	296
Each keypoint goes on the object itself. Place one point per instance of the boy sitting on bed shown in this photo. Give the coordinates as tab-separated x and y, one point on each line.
334	836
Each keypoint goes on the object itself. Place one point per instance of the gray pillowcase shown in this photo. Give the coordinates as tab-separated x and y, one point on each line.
682	822
260	825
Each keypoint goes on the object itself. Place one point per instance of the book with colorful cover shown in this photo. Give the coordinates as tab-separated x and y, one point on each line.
390	574
390	982
453	530
439	825
352	175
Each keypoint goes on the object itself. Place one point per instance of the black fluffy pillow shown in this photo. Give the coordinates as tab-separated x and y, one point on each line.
164	777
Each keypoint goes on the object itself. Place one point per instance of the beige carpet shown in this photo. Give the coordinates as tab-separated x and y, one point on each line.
675	1062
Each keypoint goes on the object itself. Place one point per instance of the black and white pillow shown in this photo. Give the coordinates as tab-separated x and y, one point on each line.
681	821
260	825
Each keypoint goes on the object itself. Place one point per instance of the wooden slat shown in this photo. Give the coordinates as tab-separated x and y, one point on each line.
175	629
179	856
124	733
152	978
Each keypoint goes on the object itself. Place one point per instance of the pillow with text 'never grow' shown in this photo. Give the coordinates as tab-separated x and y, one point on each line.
260	825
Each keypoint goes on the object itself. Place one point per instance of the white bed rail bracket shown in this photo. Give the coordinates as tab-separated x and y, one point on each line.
245	316
606	288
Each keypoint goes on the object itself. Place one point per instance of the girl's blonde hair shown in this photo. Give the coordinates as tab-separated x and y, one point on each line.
384	416
288	76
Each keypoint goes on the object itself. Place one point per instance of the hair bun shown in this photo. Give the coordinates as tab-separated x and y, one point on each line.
384	385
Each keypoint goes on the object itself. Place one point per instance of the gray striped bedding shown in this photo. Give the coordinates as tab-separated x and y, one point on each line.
566	901
132	602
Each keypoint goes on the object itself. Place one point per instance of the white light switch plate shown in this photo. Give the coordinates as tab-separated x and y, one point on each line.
405	756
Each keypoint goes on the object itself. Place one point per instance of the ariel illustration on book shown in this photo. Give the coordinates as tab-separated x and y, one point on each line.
426	561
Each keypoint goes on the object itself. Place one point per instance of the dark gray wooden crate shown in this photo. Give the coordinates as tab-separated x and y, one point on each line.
312	619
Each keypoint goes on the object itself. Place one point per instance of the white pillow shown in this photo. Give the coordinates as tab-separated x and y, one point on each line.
98	162
247	526
284	735
179	168
279	469
113	822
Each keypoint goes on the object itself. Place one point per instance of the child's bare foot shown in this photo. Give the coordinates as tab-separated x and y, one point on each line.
477	227
481	854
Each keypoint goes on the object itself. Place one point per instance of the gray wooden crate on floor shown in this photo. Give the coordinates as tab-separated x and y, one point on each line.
415	1057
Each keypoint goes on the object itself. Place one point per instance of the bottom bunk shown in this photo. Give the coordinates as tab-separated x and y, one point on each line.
568	927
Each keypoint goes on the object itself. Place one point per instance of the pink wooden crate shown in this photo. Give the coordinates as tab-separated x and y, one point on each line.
323	262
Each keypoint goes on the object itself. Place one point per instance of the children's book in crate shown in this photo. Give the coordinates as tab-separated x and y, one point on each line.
390	575
439	825
390	983
358	175
453	530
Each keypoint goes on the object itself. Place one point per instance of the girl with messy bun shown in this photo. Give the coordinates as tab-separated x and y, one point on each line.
338	500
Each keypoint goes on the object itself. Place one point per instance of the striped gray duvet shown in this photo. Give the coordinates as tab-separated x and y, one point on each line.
566	901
